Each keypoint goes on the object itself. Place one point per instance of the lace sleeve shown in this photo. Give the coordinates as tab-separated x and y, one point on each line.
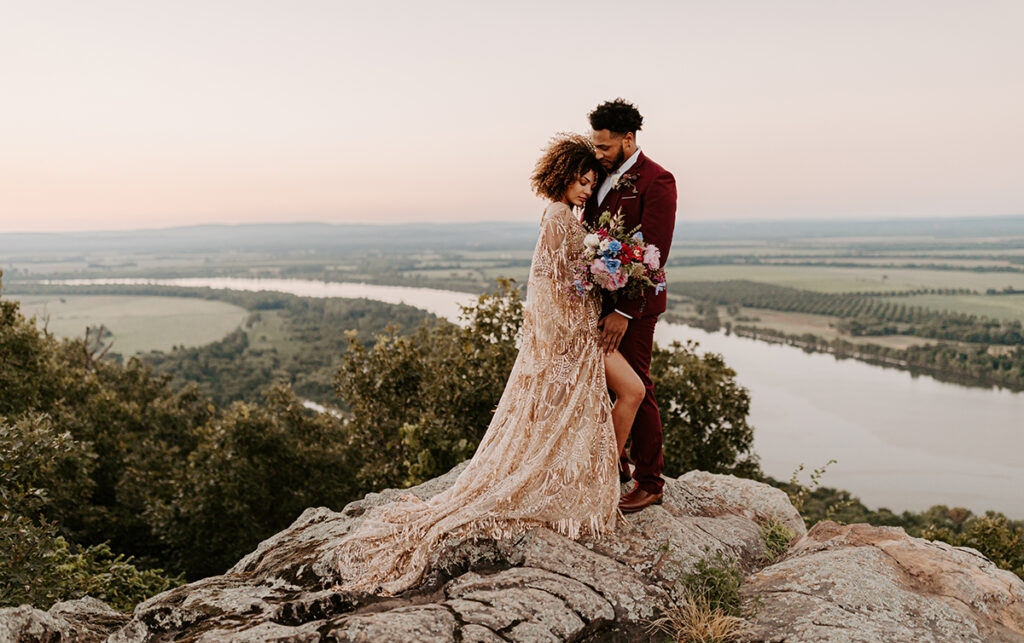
555	317
551	258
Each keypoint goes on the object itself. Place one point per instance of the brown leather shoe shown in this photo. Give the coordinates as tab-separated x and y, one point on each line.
637	499
629	494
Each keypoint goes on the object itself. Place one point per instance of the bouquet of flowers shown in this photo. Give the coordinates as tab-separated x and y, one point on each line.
617	260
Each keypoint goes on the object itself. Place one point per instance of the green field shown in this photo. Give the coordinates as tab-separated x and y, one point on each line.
798	324
837	280
996	306
138	323
820	325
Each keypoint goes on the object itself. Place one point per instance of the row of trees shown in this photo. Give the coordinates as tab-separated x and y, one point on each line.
301	342
969	365
860	314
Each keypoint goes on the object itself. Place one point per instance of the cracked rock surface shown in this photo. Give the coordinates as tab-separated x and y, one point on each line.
85	620
856	582
877	584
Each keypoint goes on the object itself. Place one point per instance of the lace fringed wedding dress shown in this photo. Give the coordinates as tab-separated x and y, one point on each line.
548	457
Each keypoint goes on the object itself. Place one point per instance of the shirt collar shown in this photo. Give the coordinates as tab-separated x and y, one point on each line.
628	163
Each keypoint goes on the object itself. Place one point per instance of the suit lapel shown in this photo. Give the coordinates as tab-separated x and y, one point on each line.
611	202
640	160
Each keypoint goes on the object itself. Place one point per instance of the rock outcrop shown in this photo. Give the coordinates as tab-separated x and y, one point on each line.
864	583
84	620
855	583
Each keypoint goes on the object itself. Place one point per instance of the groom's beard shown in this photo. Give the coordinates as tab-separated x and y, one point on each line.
620	157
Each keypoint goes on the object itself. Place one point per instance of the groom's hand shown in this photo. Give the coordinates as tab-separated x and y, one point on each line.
613	326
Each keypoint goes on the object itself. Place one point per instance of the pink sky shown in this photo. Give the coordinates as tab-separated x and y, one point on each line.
152	114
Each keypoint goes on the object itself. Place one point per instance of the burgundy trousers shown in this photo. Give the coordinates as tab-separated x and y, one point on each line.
645	438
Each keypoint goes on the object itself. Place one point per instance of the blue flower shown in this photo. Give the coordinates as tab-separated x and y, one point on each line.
639	236
612	264
659	287
614	247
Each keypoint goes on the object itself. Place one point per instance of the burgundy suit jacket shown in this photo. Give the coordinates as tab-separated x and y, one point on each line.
650	204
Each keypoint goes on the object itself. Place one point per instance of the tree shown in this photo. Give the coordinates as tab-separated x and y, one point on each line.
421	403
49	472
253	471
703	413
45	474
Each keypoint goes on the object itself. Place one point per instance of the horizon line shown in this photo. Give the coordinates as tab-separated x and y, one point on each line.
880	219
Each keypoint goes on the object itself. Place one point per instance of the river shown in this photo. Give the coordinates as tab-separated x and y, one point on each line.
900	441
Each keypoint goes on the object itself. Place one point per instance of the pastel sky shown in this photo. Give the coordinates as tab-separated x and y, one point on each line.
147	113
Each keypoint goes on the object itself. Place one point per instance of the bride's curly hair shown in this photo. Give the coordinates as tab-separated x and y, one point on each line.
566	158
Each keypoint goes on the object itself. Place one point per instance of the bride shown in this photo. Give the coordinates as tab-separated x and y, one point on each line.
549	456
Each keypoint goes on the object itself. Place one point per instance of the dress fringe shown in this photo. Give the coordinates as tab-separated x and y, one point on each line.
354	555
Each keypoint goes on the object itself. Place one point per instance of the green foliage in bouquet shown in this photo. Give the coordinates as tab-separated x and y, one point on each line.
617	261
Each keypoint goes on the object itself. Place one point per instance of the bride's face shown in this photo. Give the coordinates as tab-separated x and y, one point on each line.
581	189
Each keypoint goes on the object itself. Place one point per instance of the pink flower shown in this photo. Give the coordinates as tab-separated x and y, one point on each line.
618	280
652	257
600	273
607	279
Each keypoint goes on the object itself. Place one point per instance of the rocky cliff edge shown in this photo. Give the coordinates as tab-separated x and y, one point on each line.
834	583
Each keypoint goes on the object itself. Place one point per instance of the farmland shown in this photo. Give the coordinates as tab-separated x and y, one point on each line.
829	279
137	323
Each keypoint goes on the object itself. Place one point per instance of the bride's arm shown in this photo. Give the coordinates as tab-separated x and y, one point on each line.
551	277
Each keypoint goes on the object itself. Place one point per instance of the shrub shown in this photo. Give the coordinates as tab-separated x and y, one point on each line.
707	606
992	535
422	403
252	473
777	537
41	568
703	413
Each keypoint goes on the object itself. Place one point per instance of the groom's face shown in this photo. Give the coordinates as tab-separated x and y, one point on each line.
608	148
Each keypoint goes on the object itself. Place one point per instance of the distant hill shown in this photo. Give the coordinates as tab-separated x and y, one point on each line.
1000	227
483	236
283	236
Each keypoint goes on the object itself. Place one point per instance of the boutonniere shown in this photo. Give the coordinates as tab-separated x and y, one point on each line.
624	182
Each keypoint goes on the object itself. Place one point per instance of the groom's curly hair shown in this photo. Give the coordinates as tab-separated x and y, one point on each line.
617	116
566	158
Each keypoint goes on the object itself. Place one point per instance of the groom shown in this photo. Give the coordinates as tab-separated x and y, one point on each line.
645	193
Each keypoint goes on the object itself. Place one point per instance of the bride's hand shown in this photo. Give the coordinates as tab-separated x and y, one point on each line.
613	326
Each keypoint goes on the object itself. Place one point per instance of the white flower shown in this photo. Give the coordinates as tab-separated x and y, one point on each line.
604	245
592	240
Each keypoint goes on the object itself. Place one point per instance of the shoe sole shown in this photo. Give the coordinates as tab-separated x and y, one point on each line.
630	511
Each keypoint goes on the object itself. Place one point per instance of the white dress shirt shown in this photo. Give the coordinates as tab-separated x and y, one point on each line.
609	181
606	187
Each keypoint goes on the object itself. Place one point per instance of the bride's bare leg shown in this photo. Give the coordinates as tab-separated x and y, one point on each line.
629	393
